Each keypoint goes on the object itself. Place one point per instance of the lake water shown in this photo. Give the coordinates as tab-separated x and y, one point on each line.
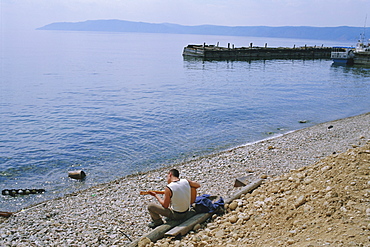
113	104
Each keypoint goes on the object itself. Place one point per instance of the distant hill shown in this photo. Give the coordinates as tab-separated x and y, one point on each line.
342	33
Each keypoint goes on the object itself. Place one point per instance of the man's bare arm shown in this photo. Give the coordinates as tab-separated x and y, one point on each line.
193	188
194	184
166	201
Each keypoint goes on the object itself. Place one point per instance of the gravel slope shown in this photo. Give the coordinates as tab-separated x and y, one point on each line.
325	204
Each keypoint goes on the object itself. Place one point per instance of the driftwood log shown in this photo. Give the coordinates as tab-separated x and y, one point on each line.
156	233
188	225
6	214
244	190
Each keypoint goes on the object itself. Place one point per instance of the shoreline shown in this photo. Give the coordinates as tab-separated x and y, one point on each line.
114	212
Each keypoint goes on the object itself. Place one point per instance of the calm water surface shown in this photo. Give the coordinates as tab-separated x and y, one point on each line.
113	104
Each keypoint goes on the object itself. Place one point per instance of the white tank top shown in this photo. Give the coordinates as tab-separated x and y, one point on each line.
180	200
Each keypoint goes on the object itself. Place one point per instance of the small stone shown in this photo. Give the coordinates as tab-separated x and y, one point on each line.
233	205
219	234
144	242
196	227
243	216
325	168
328	188
300	201
233	219
204	237
274	189
343	209
307	181
290	241
177	243
330	212
202	244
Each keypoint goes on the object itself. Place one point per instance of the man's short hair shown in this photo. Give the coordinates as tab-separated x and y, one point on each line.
175	173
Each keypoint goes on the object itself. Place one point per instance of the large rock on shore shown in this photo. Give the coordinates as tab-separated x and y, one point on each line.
326	204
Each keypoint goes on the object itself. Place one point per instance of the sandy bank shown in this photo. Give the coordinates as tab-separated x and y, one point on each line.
325	204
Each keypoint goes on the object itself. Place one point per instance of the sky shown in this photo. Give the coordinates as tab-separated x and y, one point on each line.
31	14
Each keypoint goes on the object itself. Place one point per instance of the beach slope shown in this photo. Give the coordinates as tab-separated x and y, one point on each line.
115	213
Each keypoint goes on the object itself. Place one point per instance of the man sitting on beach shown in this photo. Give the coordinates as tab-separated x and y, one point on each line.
179	194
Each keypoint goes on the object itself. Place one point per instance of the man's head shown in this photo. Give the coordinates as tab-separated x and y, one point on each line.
175	173
172	174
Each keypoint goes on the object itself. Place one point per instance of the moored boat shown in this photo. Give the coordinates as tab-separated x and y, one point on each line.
362	53
342	55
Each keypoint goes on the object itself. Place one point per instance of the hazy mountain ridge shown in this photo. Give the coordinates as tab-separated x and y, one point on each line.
341	33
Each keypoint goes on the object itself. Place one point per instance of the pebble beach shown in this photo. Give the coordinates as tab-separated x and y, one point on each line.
115	214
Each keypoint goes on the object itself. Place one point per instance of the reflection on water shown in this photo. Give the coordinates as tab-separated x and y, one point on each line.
362	71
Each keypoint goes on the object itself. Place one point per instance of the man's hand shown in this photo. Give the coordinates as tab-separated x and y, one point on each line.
165	202
152	193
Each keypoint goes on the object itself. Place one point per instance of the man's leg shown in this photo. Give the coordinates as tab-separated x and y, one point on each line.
156	211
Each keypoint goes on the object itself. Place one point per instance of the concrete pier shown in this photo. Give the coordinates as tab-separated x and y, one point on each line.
245	53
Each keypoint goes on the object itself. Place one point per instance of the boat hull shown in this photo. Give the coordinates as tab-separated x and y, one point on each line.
349	61
362	59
